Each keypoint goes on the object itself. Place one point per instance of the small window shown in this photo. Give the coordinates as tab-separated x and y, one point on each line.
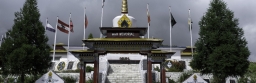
207	80
70	65
232	81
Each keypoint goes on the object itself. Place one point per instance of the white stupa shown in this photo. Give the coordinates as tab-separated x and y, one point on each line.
124	20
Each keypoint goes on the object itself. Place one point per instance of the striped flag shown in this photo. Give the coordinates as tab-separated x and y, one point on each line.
62	26
2	38
86	21
49	27
190	23
148	16
189	20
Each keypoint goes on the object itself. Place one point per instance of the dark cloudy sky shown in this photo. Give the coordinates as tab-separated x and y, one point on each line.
244	10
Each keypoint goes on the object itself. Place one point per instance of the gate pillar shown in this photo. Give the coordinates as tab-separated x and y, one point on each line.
96	69
82	72
149	71
163	77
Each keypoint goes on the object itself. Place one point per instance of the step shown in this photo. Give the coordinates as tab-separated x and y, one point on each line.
124	73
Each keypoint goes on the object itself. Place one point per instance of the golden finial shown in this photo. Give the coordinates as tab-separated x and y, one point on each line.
50	74
195	77
124	6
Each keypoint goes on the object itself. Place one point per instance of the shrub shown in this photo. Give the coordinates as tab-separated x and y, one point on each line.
68	71
28	79
184	76
89	81
157	68
89	68
171	81
177	66
69	79
243	80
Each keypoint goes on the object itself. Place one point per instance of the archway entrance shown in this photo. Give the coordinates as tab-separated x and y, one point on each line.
100	48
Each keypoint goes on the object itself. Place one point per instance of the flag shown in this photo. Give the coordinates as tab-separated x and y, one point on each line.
190	23
62	26
148	16
173	20
49	27
86	21
71	26
2	38
103	3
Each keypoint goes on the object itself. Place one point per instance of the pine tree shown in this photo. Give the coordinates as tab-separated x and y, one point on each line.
90	36
25	49
222	48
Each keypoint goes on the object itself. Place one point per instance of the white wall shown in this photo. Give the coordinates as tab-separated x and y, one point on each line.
63	56
176	55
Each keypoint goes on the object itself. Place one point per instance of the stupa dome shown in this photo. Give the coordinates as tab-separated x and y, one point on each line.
124	20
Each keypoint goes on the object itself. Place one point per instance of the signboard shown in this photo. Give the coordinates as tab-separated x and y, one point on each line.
117	32
50	77
122	35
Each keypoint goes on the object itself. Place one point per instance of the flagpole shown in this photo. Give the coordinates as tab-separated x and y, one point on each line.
46	23
101	16
84	26
190	32
55	36
148	22
69	32
170	29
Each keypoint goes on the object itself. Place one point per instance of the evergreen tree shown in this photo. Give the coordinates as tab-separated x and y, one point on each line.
90	36
221	49
25	49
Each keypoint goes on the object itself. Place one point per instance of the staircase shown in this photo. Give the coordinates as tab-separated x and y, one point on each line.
124	73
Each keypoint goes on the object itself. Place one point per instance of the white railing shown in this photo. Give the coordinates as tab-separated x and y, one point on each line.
142	71
104	69
104	74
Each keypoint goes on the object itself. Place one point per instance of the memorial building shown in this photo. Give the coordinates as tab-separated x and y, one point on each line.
122	55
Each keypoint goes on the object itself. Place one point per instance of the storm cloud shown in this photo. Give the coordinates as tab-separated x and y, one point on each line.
158	9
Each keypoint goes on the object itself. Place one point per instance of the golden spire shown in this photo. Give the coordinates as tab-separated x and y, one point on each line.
124	7
50	74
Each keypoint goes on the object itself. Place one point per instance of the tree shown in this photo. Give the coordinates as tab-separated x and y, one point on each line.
90	36
25	49
251	73
221	49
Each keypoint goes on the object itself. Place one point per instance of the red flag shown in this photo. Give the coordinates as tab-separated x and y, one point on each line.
86	21
148	16
62	29
62	26
62	23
